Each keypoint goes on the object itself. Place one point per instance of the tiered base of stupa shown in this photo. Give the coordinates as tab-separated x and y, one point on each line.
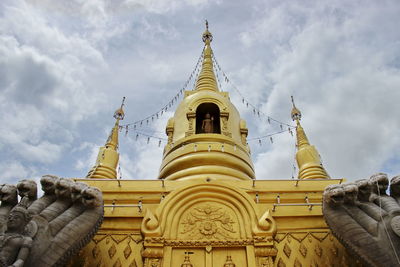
207	222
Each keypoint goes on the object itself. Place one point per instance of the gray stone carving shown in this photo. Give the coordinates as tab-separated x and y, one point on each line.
14	243
63	201
27	188
365	219
48	183
49	230
9	198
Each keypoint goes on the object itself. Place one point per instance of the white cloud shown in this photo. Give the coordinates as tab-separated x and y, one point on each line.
64	66
86	162
13	171
144	160
43	91
346	88
160	6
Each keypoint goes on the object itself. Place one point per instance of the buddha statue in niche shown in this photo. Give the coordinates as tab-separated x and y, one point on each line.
207	125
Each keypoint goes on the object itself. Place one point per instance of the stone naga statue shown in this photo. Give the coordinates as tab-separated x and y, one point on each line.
14	244
49	230
9	198
27	188
48	183
365	219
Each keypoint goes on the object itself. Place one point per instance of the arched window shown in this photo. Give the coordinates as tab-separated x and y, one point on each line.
207	119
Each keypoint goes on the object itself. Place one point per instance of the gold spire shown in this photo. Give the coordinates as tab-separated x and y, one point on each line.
112	141
207	80
108	157
307	156
302	139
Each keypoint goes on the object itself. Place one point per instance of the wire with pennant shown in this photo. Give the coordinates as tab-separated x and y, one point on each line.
294	169
194	74
256	111
149	119
148	137
268	136
139	126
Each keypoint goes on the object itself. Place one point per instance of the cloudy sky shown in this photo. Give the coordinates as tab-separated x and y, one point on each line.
65	66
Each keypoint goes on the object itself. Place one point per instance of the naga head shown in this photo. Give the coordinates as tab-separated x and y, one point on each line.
76	191
63	188
379	183
48	183
364	190
9	194
395	186
18	218
350	193
27	188
92	197
1	192
334	195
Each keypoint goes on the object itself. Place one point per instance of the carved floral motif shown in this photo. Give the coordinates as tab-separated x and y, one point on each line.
127	251
287	250
208	222
154	262
281	263
303	250
297	263
318	250
111	251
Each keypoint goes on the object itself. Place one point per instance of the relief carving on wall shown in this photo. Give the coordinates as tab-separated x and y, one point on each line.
224	119
191	116
209	221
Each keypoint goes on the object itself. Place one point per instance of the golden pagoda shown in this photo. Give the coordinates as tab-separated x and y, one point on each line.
206	208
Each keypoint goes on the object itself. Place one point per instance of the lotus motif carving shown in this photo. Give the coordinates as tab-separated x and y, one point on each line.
208	222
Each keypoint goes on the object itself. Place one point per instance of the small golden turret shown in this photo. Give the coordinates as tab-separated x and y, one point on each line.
108	157
307	156
207	80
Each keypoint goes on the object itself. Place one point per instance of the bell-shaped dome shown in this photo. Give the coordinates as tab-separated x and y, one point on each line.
206	136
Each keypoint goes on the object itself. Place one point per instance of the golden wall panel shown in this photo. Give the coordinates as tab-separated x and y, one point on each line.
311	249
111	250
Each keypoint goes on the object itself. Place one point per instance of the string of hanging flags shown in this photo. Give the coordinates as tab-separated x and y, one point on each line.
256	111
138	127
259	139
149	119
193	77
146	136
160	140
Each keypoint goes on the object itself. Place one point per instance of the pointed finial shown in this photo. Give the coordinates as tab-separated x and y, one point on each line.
108	157
296	114
207	36
206	79
119	113
307	156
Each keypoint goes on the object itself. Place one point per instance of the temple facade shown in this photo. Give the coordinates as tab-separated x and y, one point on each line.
207	208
